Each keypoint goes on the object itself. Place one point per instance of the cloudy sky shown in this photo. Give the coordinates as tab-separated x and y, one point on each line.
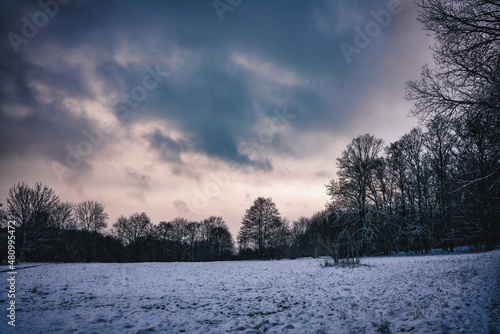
195	108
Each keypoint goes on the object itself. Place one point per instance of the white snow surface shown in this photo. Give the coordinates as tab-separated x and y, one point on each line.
417	294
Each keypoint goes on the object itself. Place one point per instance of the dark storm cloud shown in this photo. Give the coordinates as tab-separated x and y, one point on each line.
168	148
214	108
30	125
117	77
213	101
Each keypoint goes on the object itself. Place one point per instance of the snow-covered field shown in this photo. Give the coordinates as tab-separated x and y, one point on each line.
421	294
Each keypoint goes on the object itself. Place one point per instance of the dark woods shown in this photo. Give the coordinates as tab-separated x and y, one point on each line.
436	187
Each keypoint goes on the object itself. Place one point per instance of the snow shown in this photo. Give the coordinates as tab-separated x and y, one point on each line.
419	294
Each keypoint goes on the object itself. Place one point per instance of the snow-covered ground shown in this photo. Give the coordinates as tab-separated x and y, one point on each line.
420	294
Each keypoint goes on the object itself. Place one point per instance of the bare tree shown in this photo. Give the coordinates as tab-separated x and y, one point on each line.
128	230
90	216
33	210
356	168
216	237
356	187
164	231
413	149
64	217
120	229
467	56
463	88
140	226
222	242
440	145
261	225
192	231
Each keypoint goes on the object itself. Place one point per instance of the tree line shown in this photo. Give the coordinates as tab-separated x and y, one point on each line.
438	185
48	229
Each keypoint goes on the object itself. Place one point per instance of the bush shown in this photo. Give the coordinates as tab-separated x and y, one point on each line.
344	263
382	326
328	264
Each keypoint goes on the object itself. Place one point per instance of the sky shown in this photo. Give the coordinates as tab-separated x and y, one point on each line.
196	108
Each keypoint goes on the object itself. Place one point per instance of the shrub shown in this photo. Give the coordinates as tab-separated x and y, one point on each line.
382	326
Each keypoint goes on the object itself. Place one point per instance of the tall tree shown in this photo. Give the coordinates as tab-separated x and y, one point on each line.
90	216
140	226
217	238
64	217
222	243
33	210
356	171
129	229
260	225
440	145
417	232
192	232
356	188
120	229
165	233
477	182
